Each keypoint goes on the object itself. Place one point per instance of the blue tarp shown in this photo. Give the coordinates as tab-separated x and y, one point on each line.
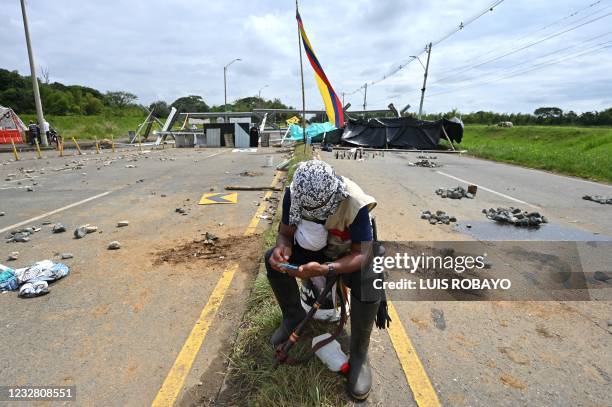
314	131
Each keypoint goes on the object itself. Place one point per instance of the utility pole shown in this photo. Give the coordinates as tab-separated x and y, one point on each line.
425	80
39	111
365	98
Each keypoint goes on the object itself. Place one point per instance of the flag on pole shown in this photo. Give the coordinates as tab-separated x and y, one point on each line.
333	107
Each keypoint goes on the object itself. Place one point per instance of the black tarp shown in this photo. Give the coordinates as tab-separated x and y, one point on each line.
333	136
404	132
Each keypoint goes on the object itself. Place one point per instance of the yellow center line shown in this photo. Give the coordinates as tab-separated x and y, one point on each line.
422	390
170	389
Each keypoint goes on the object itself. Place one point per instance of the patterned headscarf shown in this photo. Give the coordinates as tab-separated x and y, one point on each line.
316	192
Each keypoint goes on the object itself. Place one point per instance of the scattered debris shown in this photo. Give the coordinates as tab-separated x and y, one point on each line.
115	245
122	223
130	166
90	228
66	256
284	166
34	289
248	173
13	256
601	276
438	217
2	213
515	216
437	315
599	199
59	228
427	157
21	235
180	210
80	232
424	163
454	193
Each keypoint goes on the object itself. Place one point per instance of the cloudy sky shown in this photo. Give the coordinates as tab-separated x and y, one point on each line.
163	50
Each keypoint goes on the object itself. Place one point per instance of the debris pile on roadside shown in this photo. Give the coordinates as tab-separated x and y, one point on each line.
424	164
599	199
21	235
515	216
214	249
33	280
437	217
454	193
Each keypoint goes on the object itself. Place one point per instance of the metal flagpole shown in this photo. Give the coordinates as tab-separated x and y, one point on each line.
302	76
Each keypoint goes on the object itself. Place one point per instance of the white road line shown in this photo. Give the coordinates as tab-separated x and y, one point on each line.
488	190
53	212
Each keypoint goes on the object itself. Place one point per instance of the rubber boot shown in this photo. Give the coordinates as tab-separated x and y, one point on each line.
287	294
362	320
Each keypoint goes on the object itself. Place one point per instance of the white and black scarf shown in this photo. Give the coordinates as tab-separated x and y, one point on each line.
316	192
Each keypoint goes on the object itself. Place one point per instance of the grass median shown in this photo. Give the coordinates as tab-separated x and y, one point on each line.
579	151
252	380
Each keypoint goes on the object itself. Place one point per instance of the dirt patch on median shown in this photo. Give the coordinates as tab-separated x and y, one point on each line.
243	249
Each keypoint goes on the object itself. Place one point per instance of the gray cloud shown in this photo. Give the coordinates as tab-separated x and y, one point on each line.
166	50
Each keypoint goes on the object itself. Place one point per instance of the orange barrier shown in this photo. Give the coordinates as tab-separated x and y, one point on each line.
6	136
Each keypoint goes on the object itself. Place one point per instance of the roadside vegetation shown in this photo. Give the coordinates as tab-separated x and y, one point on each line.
88	127
579	151
252	379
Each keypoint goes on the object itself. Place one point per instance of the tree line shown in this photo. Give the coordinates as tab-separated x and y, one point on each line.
59	99
553	116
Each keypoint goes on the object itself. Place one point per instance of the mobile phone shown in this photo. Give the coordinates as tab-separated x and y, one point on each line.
289	266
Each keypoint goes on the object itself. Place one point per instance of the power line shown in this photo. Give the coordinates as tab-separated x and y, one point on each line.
599	47
530	34
461	26
524	47
558	51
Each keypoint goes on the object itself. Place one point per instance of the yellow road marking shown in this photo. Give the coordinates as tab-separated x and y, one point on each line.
219	198
422	390
175	379
255	220
182	365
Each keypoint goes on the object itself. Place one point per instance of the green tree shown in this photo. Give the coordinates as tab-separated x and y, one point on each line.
57	103
191	103
119	99
93	105
160	108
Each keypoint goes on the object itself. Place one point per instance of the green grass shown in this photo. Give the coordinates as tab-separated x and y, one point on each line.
88	127
252	380
580	151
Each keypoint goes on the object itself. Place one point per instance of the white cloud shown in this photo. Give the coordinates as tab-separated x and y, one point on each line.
166	50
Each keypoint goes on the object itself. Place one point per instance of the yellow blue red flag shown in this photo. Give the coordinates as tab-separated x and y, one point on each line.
333	107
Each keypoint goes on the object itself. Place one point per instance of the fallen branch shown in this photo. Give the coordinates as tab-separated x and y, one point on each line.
251	188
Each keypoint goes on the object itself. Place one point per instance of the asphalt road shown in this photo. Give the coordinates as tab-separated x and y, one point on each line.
546	353
115	325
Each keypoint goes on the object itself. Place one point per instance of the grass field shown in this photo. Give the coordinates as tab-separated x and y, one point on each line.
88	127
253	380
580	151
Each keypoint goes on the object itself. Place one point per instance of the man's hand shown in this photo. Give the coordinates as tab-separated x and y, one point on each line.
311	269
280	254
